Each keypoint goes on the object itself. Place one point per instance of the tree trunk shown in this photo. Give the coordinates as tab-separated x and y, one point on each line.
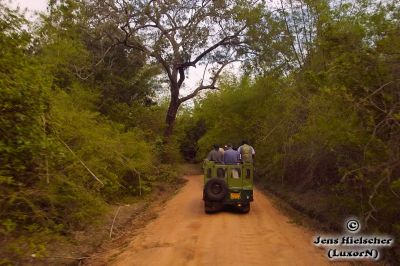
171	117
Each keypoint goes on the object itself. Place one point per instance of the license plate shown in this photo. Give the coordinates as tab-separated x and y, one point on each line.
235	195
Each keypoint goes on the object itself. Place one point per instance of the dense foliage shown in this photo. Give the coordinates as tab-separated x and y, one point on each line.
75	135
332	127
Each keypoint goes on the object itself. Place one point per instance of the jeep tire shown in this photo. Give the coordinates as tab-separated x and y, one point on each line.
215	189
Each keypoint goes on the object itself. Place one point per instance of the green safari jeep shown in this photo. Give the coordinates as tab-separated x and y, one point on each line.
227	185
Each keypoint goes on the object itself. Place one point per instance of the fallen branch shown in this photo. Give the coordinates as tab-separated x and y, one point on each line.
84	165
370	198
62	257
112	225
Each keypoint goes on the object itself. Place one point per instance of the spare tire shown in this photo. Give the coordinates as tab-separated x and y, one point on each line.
216	189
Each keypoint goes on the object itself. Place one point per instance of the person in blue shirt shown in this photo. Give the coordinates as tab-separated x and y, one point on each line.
231	156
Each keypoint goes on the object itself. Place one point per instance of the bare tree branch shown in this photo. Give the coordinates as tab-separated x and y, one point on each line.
101	60
223	41
211	86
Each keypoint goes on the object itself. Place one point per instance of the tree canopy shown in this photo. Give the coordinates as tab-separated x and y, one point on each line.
178	35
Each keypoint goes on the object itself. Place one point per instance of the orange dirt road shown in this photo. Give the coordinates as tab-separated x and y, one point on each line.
184	235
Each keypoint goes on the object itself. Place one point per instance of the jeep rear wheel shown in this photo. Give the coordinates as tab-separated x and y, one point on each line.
216	189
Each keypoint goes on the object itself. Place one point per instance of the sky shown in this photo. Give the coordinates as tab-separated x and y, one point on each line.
31	5
36	5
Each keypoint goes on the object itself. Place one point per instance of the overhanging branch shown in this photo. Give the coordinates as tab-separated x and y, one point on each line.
224	41
211	86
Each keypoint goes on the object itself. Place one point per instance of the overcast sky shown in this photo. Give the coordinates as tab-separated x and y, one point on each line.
32	5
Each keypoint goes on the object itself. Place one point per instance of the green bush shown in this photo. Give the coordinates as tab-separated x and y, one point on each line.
63	161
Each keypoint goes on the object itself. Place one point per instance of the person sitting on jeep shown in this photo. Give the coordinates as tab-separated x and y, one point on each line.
215	154
246	152
231	156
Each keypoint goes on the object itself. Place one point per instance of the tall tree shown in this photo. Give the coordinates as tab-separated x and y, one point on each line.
179	35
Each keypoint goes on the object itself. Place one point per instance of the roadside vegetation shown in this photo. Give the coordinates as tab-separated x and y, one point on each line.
74	139
326	135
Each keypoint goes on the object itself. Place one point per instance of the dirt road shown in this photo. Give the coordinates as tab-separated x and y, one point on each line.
184	235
